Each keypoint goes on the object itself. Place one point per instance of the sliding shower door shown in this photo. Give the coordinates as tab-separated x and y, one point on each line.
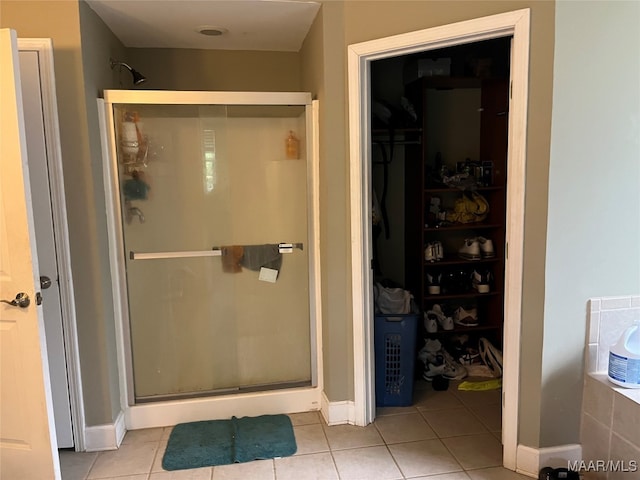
214	204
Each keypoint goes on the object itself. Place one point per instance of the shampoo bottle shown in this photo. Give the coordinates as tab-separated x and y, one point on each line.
624	358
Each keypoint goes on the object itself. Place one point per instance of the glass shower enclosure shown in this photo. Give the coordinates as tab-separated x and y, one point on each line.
213	210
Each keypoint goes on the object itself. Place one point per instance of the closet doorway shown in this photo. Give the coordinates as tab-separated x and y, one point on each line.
513	28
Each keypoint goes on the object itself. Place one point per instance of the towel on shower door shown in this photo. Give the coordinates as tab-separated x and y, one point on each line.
231	257
257	256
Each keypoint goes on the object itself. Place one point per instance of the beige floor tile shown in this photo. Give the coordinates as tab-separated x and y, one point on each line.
495	473
404	428
351	436
427	457
132	459
366	463
490	416
431	399
310	439
381	411
305	418
190	474
157	461
125	477
472	398
166	433
445	476
76	465
260	469
317	466
475	451
453	422
143	435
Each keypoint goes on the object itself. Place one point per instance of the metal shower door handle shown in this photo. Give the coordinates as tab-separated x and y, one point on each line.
22	300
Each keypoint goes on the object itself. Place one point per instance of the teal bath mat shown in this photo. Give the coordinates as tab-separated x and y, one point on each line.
221	442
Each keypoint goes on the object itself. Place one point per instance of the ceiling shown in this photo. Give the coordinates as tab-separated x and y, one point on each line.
275	25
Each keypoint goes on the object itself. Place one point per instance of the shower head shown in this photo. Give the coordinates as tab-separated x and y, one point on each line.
138	78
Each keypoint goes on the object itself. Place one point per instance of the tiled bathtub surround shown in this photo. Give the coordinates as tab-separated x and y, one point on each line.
610	429
608	317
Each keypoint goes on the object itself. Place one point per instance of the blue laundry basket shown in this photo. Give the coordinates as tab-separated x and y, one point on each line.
395	358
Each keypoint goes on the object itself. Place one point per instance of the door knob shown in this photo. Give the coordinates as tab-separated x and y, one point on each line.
22	300
45	282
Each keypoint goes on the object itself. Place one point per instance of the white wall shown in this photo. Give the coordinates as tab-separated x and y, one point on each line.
593	240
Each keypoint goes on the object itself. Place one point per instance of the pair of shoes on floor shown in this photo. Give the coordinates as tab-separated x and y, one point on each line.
435	318
438	362
434	252
466	318
477	248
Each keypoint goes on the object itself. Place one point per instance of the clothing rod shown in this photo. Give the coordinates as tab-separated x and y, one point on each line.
215	252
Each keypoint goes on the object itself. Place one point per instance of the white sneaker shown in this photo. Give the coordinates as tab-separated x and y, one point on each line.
453	370
429	353
470	250
430	323
430	253
446	323
439	250
486	247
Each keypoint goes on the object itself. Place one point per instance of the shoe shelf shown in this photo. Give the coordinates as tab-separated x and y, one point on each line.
458	296
429	201
464	226
437	189
461	330
453	261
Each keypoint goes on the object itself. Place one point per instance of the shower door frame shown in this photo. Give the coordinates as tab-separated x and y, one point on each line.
171	412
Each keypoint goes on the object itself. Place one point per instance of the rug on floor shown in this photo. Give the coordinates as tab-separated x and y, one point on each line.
222	442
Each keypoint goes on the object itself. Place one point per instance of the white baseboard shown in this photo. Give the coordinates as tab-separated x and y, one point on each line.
105	437
338	413
530	460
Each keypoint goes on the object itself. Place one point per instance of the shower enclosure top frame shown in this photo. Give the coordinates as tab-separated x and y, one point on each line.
165	97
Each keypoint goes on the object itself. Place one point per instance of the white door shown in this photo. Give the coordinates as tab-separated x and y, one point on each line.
28	447
45	242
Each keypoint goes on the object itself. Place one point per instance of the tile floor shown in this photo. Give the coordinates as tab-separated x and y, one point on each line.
446	435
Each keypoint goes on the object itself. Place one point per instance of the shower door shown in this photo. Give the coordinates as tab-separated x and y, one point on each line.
214	218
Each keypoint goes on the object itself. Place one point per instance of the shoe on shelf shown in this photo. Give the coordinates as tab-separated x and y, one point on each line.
465	318
446	323
429	253
439	250
434	252
433	283
430	323
486	247
470	250
431	370
481	281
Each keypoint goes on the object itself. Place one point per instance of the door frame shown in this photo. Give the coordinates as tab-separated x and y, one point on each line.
44	48
513	24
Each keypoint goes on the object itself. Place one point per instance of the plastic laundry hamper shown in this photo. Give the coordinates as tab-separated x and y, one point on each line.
395	358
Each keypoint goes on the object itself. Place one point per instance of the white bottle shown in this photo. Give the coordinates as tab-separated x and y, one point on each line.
624	358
